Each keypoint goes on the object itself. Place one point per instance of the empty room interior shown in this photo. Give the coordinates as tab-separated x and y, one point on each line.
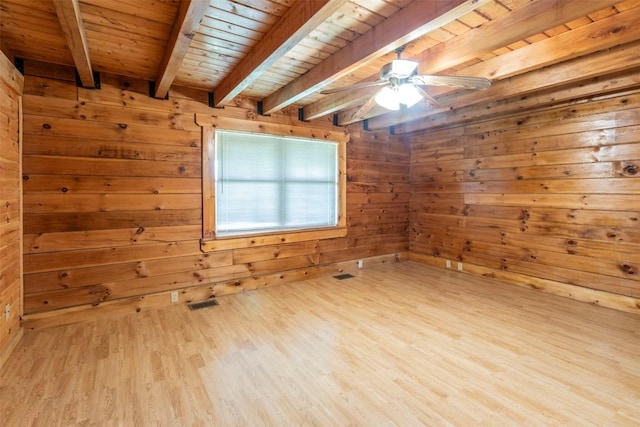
319	212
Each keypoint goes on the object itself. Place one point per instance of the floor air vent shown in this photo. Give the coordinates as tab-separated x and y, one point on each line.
202	304
343	276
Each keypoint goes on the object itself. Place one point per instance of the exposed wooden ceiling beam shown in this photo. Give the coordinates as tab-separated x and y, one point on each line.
70	19
296	24
604	34
534	18
411	22
190	13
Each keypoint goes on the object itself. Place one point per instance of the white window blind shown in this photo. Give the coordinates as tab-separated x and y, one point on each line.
268	183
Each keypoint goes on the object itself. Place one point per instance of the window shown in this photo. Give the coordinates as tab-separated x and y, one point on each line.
266	183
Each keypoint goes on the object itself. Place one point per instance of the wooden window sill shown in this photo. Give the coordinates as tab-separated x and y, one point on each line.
210	245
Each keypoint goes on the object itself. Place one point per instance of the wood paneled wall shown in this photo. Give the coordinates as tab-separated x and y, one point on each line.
548	199
112	198
11	82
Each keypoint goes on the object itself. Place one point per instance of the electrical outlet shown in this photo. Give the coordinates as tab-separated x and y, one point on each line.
174	296
448	263
7	311
459	266
360	263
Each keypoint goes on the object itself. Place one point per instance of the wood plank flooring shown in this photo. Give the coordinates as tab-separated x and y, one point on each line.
400	344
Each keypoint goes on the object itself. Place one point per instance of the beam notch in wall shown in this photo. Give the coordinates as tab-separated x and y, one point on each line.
152	91
96	80
301	115
19	64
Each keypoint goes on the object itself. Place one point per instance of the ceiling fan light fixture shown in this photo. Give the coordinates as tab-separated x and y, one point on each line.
388	98
409	95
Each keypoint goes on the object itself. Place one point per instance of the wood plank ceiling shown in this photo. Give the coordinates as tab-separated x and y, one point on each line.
284	52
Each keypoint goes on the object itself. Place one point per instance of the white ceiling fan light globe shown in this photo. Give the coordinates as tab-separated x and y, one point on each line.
409	95
388	98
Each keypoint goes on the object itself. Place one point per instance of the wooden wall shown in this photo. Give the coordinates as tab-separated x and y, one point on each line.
548	199
112	194
112	200
11	82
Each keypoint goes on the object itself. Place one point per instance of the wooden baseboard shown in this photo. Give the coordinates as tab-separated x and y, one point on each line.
11	345
591	296
196	293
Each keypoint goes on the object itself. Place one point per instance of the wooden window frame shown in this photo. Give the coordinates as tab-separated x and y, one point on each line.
209	241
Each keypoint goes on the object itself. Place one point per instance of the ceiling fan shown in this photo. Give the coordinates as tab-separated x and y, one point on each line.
402	85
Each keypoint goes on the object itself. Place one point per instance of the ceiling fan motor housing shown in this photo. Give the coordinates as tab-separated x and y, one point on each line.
398	69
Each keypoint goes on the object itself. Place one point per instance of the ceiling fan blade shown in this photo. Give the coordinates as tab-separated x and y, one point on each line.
430	99
456	81
354	87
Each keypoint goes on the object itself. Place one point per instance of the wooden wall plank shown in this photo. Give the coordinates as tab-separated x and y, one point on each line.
623	202
48	87
56	203
38	223
50	165
57	242
76	184
109	130
571	185
65	146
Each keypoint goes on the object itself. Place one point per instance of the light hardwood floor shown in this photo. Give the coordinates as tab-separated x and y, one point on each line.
400	344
